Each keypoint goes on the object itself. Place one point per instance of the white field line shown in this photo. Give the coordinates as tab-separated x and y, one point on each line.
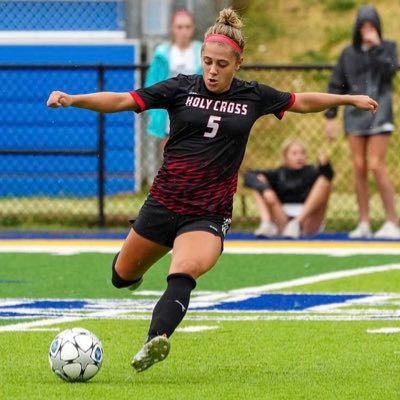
57	249
26	326
291	317
223	317
336	249
197	328
384	330
369	301
218	317
329	251
315	279
40	330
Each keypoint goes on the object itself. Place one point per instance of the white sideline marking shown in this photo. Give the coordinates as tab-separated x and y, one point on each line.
197	328
40	330
317	278
369	301
59	250
334	252
291	317
384	330
226	317
335	249
257	317
27	326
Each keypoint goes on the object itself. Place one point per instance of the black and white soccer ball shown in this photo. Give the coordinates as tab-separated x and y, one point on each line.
76	355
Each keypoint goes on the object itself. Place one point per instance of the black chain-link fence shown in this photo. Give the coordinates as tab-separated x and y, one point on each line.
268	134
59	15
75	168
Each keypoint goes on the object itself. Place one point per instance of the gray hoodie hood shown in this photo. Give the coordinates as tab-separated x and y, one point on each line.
366	13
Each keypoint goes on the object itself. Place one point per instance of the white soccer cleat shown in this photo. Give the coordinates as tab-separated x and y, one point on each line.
362	231
155	350
389	230
292	229
266	229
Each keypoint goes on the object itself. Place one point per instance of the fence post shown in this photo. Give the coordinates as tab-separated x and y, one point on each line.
101	152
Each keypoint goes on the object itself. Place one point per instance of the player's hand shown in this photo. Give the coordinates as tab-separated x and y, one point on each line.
59	99
330	129
364	103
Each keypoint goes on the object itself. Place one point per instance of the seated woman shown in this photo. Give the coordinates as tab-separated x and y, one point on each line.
291	199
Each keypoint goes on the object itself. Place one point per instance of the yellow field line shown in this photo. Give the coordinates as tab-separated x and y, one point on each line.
60	243
312	244
228	244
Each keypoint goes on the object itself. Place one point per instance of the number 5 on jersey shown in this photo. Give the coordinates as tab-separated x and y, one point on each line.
213	124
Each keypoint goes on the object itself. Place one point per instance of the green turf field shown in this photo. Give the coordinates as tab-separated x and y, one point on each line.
263	342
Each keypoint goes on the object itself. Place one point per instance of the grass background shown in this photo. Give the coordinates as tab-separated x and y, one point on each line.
241	360
87	275
319	360
306	31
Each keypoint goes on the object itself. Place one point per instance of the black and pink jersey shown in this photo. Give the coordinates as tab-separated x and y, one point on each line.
207	142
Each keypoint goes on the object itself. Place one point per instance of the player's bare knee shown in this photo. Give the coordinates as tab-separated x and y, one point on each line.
193	268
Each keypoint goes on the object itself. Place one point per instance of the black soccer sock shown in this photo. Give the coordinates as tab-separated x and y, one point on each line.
116	280
172	306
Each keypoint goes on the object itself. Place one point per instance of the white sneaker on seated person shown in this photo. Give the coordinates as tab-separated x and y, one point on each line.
292	229
389	230
266	229
363	230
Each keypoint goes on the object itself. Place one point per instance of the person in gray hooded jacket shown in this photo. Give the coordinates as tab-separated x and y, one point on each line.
367	66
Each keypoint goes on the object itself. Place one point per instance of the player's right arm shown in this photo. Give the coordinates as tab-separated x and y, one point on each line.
104	102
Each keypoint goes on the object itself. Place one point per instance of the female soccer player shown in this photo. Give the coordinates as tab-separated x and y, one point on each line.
189	207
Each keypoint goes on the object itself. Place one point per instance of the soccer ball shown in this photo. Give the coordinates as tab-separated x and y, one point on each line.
76	355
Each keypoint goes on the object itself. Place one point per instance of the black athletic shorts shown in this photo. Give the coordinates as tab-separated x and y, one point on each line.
160	225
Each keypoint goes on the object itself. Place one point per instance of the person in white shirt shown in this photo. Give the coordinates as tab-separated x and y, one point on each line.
180	55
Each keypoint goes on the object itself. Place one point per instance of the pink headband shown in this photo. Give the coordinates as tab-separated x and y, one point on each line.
219	38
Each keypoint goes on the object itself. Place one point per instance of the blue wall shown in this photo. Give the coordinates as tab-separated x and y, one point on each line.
26	123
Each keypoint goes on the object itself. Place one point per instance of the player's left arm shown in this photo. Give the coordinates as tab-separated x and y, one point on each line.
316	102
104	102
